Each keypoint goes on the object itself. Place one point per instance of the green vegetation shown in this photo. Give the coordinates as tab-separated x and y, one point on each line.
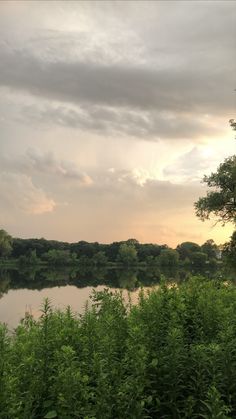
221	198
30	253
170	356
232	123
220	202
5	244
230	252
127	254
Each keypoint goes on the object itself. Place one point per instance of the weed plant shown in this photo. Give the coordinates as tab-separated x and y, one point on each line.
173	355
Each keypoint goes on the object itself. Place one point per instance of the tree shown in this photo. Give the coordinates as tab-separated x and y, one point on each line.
169	257
210	248
233	124
221	201
5	243
127	254
186	249
132	242
58	257
100	259
198	260
229	251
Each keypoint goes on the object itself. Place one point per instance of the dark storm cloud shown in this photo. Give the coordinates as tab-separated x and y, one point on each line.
146	69
178	89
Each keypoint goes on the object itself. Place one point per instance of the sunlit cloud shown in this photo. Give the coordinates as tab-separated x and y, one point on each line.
19	193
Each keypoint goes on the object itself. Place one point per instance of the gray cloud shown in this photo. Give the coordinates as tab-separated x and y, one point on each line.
151	71
40	164
47	163
37	162
146	124
182	88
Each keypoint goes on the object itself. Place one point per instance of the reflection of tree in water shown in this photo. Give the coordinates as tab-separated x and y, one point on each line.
149	277
40	278
128	279
5	281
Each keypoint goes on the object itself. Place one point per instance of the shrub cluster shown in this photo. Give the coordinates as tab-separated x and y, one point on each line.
173	355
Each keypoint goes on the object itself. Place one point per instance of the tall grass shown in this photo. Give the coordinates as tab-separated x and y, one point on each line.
173	355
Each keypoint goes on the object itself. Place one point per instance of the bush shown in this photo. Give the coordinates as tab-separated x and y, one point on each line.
173	355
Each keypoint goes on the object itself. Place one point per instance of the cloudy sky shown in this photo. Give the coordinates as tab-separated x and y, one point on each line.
110	114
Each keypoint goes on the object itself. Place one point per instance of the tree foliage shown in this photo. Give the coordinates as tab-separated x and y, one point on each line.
229	251
127	254
170	356
210	248
87	256
186	249
5	243
221	200
232	123
169	257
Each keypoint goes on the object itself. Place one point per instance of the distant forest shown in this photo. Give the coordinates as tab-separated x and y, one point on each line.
129	252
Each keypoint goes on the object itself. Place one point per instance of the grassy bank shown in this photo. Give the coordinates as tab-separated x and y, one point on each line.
171	356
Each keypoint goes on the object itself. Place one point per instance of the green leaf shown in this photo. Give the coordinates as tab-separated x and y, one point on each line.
149	399
50	415
154	362
47	403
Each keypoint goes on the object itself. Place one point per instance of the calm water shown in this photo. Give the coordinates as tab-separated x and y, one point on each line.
16	303
24	291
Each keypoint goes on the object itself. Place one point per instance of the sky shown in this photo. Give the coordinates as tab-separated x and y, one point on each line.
111	112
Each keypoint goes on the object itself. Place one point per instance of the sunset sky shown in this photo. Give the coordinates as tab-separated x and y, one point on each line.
111	112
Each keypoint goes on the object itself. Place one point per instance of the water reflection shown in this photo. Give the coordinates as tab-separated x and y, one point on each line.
131	279
23	290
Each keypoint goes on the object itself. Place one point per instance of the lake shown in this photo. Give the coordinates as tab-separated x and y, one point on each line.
23	291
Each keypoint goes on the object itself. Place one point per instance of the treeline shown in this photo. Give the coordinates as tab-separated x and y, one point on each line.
130	253
171	356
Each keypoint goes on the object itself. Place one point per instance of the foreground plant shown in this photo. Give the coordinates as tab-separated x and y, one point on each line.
170	356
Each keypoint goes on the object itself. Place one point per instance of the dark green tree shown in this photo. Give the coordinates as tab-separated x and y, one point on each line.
100	259
233	124
5	244
229	251
169	257
210	248
59	257
186	249
127	254
198	259
220	201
